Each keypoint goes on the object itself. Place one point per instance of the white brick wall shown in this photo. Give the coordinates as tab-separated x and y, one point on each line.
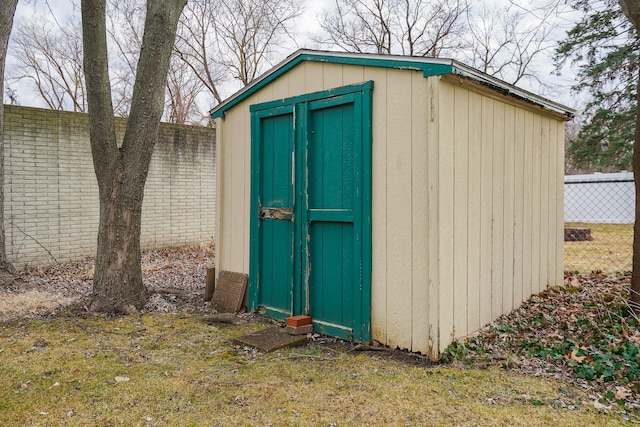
51	193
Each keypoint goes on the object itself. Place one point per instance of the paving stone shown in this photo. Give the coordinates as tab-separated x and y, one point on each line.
229	292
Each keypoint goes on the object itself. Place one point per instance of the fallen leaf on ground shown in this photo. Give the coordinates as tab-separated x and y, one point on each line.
574	356
622	393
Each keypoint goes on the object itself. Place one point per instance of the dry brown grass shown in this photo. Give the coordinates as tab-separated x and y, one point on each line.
610	250
168	369
29	303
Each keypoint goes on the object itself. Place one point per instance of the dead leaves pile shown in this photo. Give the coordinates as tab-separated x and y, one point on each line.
175	278
584	333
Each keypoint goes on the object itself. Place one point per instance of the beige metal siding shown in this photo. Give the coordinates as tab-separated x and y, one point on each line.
500	221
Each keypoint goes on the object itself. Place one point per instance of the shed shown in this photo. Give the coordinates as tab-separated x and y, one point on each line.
403	200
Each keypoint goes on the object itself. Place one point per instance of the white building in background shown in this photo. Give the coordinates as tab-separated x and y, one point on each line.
599	198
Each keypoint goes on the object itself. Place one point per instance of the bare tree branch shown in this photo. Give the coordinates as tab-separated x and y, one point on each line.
51	58
222	40
507	42
408	27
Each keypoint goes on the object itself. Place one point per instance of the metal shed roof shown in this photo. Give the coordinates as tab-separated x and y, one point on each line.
428	66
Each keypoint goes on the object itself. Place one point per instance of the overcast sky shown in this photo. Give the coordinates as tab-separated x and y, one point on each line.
307	23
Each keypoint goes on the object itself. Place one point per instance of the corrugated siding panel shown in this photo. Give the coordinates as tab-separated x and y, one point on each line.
547	174
424	167
552	208
233	208
332	76
219	194
556	227
535	203
354	75
528	206
486	207
474	213
314	74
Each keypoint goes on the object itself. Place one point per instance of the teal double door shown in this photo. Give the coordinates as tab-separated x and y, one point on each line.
311	210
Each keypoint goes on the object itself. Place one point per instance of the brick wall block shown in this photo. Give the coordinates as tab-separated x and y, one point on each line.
51	193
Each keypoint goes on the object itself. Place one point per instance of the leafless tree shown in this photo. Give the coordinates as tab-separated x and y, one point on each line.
50	58
407	27
196	47
507	41
125	22
49	54
224	39
183	90
121	170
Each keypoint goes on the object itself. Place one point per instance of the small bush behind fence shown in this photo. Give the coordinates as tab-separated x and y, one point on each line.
599	213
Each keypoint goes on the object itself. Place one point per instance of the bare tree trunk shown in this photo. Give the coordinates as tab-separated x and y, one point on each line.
117	283
121	171
631	9
635	275
7	11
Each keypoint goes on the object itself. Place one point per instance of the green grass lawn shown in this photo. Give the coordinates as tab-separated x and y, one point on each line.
164	369
610	250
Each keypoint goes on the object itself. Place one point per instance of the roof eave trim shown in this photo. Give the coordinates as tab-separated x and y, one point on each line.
511	90
430	67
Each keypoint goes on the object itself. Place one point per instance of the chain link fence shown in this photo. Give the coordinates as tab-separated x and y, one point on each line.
599	214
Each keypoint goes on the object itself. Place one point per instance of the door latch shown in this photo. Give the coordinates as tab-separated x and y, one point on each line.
276	213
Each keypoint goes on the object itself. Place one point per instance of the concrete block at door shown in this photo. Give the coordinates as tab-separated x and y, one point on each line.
300	330
299	320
